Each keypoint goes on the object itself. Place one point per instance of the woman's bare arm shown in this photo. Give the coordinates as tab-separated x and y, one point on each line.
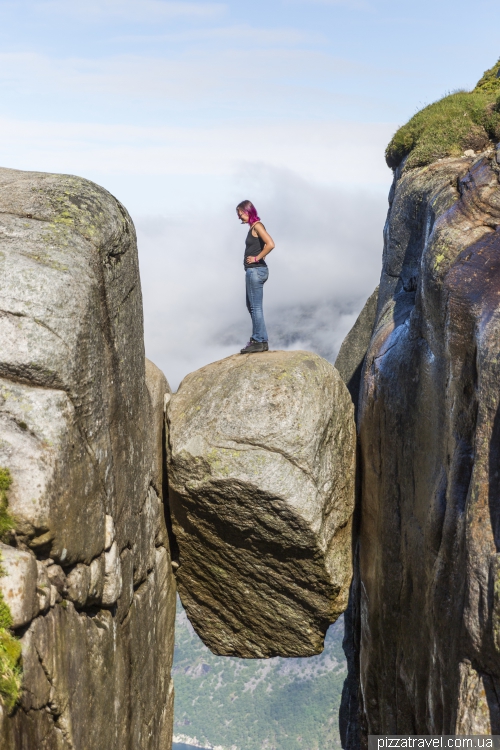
266	238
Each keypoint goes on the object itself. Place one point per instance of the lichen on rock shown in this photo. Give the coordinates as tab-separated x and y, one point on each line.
261	476
6	521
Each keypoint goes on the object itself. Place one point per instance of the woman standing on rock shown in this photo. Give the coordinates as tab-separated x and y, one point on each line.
258	244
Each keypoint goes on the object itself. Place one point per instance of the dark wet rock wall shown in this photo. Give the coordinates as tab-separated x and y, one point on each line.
423	620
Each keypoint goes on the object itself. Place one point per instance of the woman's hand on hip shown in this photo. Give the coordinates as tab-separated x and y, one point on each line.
252	259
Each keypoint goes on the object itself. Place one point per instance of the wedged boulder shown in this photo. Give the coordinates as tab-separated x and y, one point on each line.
261	465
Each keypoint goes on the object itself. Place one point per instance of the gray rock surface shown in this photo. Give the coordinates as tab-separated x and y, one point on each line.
109	532
42	587
112	587
96	584
160	392
79	433
78	584
351	355
261	475
349	363
18	584
425	611
89	686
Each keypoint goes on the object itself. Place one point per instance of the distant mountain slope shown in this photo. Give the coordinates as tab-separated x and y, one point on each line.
247	704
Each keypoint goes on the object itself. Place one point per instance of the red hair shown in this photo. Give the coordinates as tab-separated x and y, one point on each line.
249	208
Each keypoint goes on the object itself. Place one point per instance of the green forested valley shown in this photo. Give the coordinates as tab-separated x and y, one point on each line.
247	704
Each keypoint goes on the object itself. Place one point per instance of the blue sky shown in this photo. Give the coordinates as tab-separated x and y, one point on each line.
183	108
130	91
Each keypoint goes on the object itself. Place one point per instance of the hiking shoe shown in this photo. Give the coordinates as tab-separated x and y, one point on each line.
253	341
255	346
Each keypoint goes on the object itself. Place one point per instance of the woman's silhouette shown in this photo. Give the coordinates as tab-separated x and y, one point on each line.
258	244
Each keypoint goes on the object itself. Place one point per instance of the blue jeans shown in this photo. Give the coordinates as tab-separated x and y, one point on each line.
255	279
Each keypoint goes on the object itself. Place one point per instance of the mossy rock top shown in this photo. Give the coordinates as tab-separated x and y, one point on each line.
460	121
490	81
6	520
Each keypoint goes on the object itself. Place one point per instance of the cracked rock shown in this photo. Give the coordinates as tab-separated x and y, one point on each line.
55	596
43	588
18	584
96	584
351	355
261	473
143	549
112	576
109	537
159	392
78	582
57	578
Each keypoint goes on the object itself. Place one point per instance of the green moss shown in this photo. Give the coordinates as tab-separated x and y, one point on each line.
263	702
10	660
5	616
5	479
10	669
6	520
460	121
490	81
10	647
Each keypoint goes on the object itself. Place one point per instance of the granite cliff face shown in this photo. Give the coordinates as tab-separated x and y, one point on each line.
261	473
424	615
351	356
88	573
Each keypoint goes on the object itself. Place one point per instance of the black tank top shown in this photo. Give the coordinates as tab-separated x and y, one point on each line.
253	246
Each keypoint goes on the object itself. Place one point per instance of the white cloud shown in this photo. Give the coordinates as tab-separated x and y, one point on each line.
354	4
326	263
346	153
283	81
310	177
132	10
258	36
